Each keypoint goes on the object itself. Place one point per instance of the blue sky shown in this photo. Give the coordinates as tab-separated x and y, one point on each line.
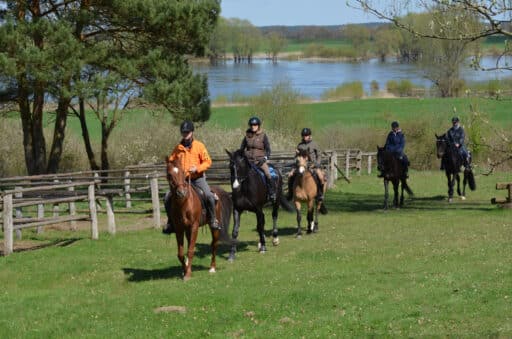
294	12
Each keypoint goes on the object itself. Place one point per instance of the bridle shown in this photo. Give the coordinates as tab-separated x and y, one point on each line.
238	179
180	188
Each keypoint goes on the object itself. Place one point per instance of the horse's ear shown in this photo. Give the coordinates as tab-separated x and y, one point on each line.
437	136
228	152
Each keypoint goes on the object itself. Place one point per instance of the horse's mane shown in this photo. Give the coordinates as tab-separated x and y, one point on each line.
303	153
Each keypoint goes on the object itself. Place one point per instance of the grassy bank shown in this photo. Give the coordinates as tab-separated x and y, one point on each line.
429	269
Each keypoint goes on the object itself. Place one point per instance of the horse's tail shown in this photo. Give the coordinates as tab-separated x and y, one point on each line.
468	175
407	188
285	203
225	215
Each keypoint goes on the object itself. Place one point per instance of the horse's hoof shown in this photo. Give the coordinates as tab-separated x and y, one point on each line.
450	200
231	258
309	231
212	270
186	278
275	241
263	249
298	235
463	198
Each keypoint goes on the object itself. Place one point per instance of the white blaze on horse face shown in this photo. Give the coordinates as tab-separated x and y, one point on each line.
302	169
236	184
175	170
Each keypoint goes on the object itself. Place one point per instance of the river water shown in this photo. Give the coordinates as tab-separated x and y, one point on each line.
312	79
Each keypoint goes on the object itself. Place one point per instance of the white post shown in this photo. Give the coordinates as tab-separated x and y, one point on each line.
347	164
127	194
155	202
8	225
359	162
19	212
110	215
333	171
369	164
72	210
40	215
92	210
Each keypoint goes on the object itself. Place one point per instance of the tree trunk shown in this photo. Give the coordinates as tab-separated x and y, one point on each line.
58	135
86	137
105	133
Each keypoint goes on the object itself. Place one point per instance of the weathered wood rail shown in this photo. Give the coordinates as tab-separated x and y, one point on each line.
133	184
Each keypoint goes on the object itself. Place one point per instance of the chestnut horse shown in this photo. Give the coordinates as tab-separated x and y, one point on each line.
187	216
305	190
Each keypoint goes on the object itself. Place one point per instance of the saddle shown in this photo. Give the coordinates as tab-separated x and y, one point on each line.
271	169
204	201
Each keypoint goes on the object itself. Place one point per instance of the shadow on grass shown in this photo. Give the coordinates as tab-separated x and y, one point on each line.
23	247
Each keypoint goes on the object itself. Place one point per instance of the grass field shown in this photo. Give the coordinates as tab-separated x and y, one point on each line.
429	269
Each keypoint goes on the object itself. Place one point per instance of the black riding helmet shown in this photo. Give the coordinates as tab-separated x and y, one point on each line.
455	119
305	131
394	124
254	121
186	126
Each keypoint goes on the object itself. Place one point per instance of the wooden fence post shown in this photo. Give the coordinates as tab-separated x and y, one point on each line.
72	210
347	164
19	212
110	214
359	161
155	201
40	215
127	194
92	210
333	171
369	164
8	225
56	206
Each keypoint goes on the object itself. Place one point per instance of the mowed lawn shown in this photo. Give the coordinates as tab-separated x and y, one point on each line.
428	269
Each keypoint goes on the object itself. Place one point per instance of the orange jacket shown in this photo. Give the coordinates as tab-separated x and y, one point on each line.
196	155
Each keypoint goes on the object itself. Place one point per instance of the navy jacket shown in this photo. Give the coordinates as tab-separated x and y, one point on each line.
395	142
456	135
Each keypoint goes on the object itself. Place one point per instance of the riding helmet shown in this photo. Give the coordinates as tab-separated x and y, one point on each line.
394	124
455	119
254	121
186	126
305	131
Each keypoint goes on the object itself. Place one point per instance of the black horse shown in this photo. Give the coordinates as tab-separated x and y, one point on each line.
393	170
451	161
250	193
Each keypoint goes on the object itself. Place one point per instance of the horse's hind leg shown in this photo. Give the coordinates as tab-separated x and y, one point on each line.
386	194
457	177
450	186
275	209
234	234
395	191
260	216
214	244
402	192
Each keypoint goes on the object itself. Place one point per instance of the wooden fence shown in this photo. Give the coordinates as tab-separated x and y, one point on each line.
134	183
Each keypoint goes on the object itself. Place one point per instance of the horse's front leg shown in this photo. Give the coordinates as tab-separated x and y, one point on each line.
316	209
386	193
457	177
299	218
450	186
260	226
180	243
191	238
275	210
214	244
311	210
402	192
234	234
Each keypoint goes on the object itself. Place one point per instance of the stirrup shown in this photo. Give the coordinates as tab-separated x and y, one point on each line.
214	225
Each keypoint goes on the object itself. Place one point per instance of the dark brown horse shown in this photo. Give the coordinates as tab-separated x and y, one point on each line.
393	170
188	214
305	190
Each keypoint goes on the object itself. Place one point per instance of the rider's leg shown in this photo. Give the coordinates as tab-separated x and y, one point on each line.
291	178
203	185
319	178
169	226
270	182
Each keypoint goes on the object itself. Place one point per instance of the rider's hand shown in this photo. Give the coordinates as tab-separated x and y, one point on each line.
262	161
193	169
457	145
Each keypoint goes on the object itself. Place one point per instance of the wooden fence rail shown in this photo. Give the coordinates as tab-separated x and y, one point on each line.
133	183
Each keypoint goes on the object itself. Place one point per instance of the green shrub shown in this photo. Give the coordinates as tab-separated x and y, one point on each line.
351	90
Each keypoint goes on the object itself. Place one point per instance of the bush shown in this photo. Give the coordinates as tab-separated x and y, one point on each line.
352	90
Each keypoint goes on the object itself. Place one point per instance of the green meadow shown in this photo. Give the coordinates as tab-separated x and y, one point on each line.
428	269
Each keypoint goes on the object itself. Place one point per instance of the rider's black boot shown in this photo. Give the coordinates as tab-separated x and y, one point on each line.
289	195
214	223
271	189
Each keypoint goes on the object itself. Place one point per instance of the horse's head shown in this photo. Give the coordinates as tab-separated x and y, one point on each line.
176	178
238	167
301	160
380	158
441	145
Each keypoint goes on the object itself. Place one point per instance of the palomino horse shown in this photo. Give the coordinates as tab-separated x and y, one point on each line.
451	161
305	190
187	215
250	193
392	170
